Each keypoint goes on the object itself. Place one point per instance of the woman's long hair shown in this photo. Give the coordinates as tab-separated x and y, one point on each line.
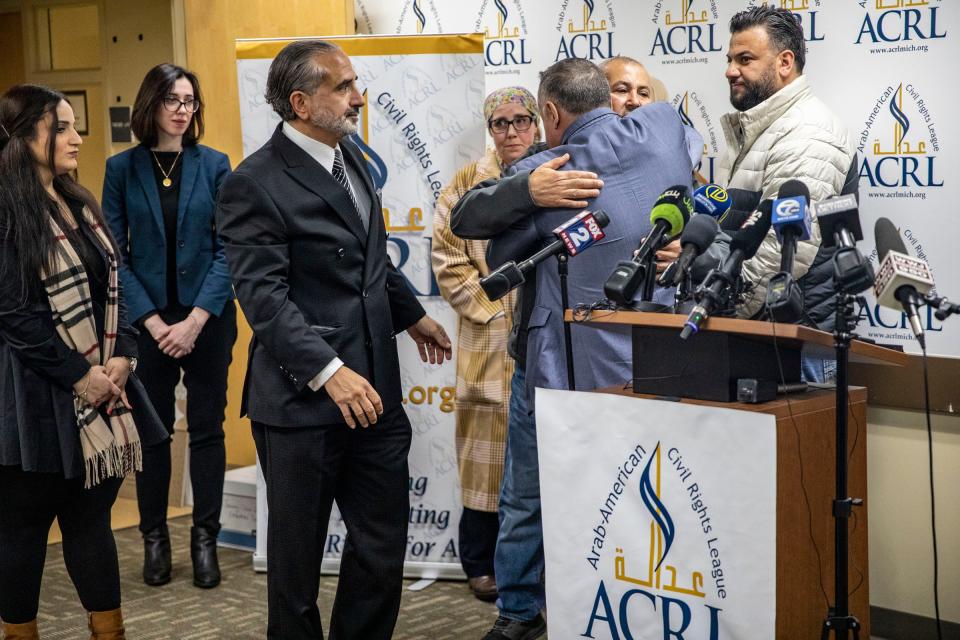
24	203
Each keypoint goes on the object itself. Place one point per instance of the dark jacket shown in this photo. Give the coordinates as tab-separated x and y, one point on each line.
38	424
131	204
311	283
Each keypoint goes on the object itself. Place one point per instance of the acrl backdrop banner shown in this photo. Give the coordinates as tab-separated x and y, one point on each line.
879	64
421	123
669	528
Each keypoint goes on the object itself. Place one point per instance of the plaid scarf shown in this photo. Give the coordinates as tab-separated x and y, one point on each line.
109	450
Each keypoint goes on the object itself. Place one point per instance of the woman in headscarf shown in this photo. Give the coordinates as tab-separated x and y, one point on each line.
484	369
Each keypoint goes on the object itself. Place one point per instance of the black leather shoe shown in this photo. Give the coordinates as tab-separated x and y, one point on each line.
507	629
203	552
156	557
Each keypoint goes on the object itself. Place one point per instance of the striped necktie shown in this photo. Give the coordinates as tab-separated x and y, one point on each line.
340	175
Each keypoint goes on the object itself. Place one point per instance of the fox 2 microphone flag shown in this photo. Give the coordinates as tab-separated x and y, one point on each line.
573	237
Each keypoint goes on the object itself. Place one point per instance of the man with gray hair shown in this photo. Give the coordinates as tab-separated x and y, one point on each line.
306	244
638	157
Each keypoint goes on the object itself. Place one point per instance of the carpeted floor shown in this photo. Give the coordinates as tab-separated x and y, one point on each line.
237	610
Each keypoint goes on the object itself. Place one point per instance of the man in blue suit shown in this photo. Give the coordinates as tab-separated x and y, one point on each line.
637	157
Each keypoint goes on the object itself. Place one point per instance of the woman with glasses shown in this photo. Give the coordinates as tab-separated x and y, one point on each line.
159	198
484	369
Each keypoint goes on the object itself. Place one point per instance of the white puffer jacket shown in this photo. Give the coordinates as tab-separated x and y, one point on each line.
790	135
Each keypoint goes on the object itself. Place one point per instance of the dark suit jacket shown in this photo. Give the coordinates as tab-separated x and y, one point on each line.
131	204
311	283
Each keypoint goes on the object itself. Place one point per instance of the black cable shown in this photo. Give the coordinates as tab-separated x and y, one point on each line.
933	505
803	485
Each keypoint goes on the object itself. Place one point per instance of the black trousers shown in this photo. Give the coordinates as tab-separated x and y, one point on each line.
365	471
28	504
205	377
478	541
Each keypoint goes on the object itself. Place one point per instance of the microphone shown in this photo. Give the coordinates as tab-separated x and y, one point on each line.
669	215
713	293
698	235
573	237
791	221
736	218
902	279
839	222
712	200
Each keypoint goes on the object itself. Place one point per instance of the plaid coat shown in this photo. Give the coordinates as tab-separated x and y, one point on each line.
483	367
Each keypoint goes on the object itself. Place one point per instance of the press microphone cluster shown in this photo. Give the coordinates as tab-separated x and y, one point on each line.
710	203
712	295
669	215
572	238
902	280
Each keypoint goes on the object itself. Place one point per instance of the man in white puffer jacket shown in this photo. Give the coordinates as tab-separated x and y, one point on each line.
779	132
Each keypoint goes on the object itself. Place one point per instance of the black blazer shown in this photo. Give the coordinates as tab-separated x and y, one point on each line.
38	424
311	283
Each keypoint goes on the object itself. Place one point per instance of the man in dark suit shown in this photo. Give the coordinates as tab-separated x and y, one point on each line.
306	246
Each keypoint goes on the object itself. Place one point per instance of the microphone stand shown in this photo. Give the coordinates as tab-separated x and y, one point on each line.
839	618
563	270
944	307
649	279
649	285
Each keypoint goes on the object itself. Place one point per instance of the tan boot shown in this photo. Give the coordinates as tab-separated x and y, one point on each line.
106	625
26	631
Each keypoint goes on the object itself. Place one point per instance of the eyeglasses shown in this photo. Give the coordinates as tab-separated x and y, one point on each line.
172	103
520	124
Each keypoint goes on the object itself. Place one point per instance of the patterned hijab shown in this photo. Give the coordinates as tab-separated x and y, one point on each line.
507	95
517	95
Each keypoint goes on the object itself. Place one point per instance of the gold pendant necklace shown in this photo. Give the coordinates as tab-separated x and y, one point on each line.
166	182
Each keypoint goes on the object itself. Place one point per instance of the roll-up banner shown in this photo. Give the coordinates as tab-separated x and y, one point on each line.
669	529
422	121
880	65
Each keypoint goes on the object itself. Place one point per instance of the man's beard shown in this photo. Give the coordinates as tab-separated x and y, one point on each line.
754	92
341	125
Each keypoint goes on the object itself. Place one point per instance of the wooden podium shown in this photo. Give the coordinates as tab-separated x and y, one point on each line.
806	446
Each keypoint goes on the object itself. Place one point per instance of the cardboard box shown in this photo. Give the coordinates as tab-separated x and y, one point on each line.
238	518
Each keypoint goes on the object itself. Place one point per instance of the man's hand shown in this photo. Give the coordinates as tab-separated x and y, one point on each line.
669	253
355	397
551	189
432	340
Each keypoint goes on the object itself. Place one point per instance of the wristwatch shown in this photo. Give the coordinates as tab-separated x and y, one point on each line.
133	363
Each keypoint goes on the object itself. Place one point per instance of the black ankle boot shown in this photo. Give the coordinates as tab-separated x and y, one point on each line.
203	552
156	556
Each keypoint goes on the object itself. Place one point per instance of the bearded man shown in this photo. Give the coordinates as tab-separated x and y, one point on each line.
781	131
305	240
